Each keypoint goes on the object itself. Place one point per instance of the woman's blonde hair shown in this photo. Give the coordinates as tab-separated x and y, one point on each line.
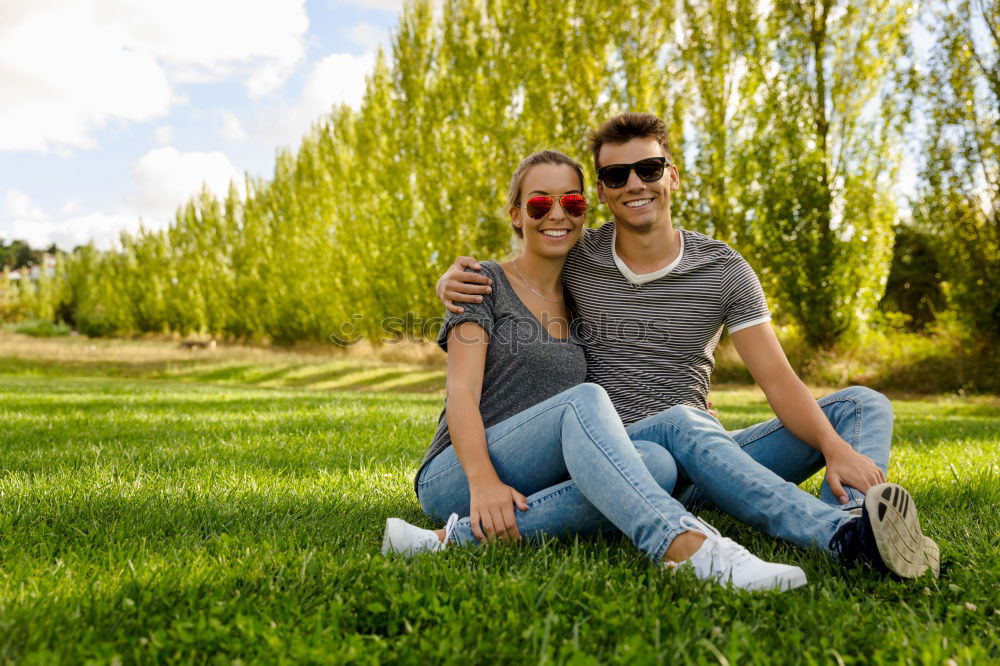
517	180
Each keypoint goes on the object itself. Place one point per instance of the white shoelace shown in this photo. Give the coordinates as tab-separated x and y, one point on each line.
449	527
724	554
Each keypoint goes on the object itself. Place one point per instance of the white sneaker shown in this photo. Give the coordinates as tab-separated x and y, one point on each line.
402	537
728	562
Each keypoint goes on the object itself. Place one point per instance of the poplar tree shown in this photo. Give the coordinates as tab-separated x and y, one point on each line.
829	107
717	37
959	183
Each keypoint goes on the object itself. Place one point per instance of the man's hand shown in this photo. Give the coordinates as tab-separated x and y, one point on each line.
847	466
491	510
459	286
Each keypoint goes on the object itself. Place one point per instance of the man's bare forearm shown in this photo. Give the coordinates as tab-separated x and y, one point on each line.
801	414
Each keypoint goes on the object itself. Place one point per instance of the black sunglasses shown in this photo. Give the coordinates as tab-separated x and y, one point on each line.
649	170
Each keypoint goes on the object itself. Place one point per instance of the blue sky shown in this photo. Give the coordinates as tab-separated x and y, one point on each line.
117	111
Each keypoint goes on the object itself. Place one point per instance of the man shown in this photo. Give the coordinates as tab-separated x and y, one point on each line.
652	301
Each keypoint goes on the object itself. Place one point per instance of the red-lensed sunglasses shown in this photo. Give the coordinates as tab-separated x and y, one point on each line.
539	206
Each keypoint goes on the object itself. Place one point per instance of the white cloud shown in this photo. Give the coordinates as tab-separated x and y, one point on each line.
69	67
162	180
26	221
60	78
165	178
367	36
164	135
266	79
394	5
71	207
18	204
67	233
338	78
232	128
207	41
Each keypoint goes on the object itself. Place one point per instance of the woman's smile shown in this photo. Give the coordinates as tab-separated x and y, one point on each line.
556	234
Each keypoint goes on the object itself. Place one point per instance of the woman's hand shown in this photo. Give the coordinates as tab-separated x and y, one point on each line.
491	505
846	466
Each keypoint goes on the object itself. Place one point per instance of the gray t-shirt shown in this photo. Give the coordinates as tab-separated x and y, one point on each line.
524	364
651	344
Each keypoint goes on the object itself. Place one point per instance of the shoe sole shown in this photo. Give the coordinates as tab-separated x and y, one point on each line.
788	580
892	515
780	582
393	528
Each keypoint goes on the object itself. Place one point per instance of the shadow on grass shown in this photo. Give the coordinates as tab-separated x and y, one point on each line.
275	375
209	371
197	398
429	385
317	377
376	378
94	368
225	373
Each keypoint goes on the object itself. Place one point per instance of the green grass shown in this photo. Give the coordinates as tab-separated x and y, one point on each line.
149	520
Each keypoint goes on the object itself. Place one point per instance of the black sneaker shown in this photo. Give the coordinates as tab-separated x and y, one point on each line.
887	535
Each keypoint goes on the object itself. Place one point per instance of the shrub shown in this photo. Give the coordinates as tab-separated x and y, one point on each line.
38	328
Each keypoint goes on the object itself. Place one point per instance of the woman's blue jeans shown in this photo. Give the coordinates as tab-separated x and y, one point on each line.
579	470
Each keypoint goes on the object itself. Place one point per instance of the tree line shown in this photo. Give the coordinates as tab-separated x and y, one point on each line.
19	254
788	122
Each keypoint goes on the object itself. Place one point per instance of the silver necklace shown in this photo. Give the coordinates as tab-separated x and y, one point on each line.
533	290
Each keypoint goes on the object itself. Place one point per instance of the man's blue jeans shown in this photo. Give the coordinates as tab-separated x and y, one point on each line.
768	457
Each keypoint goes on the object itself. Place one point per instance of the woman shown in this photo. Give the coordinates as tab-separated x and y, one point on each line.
519	419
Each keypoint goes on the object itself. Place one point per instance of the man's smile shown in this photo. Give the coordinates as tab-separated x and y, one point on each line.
637	203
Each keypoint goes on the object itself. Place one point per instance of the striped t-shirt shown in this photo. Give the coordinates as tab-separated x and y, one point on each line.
650	344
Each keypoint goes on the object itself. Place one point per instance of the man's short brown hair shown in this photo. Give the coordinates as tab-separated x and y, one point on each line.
627	126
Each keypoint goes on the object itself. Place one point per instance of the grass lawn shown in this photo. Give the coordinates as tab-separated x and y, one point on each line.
198	519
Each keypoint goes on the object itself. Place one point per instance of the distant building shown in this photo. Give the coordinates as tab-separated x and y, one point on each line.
34	271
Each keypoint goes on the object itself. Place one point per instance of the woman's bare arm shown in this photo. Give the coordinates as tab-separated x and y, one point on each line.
491	500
